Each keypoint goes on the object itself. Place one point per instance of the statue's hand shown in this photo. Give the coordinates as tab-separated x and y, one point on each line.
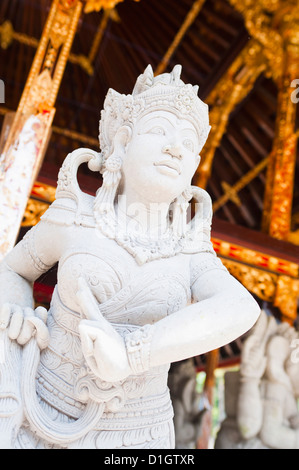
104	351
103	348
24	323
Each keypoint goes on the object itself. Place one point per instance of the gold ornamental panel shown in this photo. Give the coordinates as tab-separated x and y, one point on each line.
255	258
259	282
270	278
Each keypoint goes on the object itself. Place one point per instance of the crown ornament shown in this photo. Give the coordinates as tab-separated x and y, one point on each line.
163	92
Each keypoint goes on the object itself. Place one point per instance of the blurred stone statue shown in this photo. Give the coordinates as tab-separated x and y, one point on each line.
261	398
189	405
139	285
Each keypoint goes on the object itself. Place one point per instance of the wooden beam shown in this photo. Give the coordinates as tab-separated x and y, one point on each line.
191	16
255	240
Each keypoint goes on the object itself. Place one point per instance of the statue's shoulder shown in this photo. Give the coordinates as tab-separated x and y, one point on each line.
72	206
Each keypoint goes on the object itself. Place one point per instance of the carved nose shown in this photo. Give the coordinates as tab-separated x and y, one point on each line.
173	150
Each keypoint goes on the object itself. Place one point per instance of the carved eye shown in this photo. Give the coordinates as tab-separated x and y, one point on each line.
158	130
189	144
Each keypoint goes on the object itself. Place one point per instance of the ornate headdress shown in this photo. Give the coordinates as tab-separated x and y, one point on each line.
166	91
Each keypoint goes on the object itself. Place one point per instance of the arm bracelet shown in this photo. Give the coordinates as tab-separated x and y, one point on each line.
138	345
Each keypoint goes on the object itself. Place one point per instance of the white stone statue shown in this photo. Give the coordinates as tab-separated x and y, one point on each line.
138	285
261	399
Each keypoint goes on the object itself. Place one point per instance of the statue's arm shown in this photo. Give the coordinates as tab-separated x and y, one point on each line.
34	255
14	288
222	311
19	321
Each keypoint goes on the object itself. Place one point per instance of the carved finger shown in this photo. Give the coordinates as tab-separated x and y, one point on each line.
5	313
27	327
87	301
90	308
88	337
16	322
42	313
40	331
90	340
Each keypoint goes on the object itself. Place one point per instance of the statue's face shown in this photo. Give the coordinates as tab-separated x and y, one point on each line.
161	157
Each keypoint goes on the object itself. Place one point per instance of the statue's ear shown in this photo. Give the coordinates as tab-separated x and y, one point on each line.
121	139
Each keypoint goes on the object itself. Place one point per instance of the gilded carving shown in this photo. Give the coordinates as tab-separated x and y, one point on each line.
270	278
260	21
278	196
6	34
97	5
39	92
254	258
33	212
275	26
60	29
257	281
281	290
43	191
286	297
293	237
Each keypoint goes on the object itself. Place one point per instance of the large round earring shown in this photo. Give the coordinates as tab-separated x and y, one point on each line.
112	172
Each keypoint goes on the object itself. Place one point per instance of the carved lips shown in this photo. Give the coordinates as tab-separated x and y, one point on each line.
171	167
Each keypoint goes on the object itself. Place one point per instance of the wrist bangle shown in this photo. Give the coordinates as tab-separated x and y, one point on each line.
138	349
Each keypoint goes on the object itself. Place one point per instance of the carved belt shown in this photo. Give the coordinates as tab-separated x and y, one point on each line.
140	413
